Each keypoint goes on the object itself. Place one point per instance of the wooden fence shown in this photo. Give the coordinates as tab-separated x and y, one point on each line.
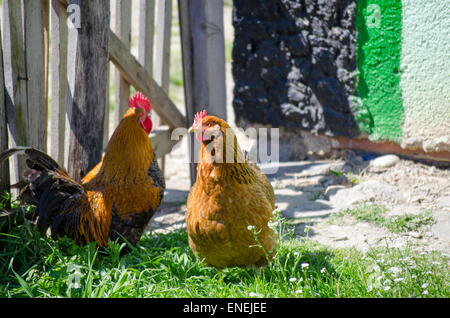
77	38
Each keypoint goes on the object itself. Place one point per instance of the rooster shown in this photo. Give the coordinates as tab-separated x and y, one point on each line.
231	203
116	199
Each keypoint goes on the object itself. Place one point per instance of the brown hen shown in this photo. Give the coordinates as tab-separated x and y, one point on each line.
231	203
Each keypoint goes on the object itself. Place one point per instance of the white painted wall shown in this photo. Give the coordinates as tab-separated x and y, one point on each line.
425	80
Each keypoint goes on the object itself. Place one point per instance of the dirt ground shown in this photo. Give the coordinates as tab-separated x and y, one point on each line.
309	193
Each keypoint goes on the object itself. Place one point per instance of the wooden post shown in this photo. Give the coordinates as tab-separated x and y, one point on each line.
162	54
203	46
4	167
89	90
107	112
162	44
146	33
35	55
14	64
123	31
58	17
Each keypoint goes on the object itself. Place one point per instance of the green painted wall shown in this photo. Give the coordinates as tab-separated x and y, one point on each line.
379	27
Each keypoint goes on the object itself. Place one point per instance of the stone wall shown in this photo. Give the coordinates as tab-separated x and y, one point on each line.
294	64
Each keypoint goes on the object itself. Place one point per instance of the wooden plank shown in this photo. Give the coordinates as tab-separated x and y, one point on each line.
46	23
162	43
4	167
89	94
107	112
138	76
203	46
187	58
123	31
162	53
35	52
146	33
72	49
211	31
59	33
15	82
208	44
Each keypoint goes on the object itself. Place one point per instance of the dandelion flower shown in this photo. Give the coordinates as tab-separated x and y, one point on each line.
252	294
386	288
425	285
425	292
296	254
399	279
251	227
305	265
370	288
436	263
292	279
299	291
323	270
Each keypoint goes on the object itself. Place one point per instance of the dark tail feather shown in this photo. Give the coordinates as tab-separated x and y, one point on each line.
48	186
35	155
8	153
59	200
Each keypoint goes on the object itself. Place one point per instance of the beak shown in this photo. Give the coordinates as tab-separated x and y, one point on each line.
191	130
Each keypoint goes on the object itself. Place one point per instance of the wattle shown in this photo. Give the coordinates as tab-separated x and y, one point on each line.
147	125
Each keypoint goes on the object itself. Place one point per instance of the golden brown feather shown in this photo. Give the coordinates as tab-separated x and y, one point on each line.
226	199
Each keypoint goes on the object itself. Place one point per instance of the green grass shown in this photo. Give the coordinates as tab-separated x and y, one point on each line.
376	214
162	265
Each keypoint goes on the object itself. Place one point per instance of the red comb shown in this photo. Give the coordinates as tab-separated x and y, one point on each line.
199	116
139	100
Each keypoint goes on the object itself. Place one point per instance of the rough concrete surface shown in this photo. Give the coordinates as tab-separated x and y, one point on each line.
294	64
